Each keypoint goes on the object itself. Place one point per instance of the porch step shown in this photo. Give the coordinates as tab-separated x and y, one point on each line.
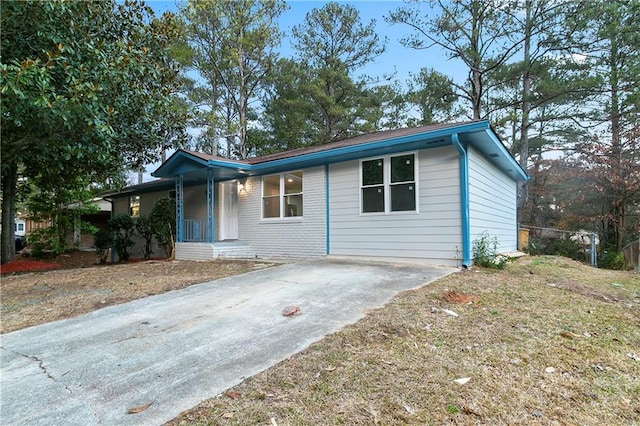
208	251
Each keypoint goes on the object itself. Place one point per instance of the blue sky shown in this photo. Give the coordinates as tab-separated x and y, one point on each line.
397	58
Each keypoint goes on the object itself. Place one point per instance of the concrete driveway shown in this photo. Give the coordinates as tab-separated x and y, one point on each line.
177	349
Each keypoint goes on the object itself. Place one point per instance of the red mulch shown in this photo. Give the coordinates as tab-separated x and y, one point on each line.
27	265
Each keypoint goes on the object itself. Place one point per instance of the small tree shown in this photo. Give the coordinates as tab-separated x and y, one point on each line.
163	223
122	228
102	241
144	228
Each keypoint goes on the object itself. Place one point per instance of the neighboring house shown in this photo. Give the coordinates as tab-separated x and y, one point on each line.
424	192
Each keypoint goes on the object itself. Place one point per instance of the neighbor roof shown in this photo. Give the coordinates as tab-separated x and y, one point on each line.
478	134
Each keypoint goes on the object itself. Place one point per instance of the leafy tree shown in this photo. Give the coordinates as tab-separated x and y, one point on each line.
87	89
232	47
332	43
609	44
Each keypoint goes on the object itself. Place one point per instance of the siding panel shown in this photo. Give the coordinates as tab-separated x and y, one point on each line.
492	201
433	233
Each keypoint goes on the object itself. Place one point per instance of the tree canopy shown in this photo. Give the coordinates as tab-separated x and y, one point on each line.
88	88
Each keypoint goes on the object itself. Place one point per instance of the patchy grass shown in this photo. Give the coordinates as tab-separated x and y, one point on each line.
40	297
546	341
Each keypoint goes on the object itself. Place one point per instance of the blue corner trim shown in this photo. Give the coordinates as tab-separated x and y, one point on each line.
326	189
464	200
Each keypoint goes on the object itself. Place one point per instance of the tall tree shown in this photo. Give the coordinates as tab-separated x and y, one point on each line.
479	33
611	49
433	95
233	47
332	44
86	90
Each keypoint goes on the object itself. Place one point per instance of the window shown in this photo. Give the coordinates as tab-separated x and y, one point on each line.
18	227
389	184
282	195
134	206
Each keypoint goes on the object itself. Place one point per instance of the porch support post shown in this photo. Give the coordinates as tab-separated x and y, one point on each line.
179	209
210	207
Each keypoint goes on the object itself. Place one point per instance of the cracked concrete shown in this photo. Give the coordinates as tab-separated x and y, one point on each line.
179	348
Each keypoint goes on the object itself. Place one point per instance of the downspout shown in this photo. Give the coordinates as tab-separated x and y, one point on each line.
464	201
326	189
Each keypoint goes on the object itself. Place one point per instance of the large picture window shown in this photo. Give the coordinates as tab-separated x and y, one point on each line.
388	184
282	195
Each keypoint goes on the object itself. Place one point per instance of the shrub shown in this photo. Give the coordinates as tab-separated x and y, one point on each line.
485	252
46	240
122	228
611	259
163	223
102	240
144	228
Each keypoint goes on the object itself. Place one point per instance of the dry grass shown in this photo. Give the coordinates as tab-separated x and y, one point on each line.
544	342
36	298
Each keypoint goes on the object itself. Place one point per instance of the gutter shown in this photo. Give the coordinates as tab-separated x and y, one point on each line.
464	201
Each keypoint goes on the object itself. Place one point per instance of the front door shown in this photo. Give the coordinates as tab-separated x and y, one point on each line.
229	210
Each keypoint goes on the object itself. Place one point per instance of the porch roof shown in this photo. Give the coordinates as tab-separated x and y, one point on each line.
478	134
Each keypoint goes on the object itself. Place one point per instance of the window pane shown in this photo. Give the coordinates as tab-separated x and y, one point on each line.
402	169
372	172
271	185
293	183
373	199
293	205
271	207
403	197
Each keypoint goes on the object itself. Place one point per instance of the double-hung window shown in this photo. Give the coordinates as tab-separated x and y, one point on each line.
282	195
388	184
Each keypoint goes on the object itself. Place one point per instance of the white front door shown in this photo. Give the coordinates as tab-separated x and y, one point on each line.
229	210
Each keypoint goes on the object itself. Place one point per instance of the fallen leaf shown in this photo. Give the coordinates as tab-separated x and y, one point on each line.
634	357
273	422
462	380
452	313
233	394
228	415
290	311
139	408
330	368
549	370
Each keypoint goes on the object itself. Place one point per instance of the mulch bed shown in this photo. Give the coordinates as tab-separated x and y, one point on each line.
27	265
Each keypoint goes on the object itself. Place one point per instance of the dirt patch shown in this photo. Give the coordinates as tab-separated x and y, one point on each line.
40	297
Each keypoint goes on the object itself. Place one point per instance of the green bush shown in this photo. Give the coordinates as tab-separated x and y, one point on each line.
163	223
611	259
44	240
144	228
485	252
102	240
122	228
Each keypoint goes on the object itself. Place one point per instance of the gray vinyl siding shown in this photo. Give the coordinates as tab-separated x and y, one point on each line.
492	202
433	233
297	237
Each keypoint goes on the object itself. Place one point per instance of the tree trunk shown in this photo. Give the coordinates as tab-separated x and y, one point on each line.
9	186
526	105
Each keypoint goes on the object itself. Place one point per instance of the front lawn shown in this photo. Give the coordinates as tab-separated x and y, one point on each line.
546	341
